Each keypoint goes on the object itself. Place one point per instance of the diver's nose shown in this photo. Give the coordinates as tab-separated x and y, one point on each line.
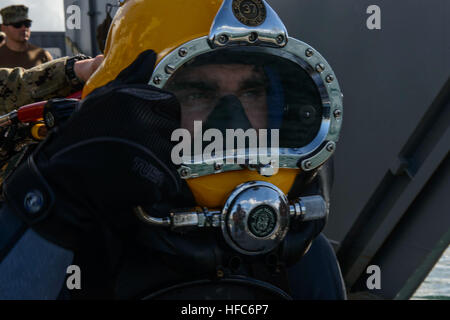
228	114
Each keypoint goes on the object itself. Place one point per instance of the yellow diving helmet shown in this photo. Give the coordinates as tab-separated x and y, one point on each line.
180	31
232	64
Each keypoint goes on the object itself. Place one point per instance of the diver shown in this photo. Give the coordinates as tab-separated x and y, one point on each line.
102	191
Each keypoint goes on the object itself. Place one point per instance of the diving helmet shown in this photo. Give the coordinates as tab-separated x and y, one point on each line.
238	76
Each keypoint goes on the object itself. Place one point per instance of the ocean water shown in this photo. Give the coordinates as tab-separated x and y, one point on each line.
437	285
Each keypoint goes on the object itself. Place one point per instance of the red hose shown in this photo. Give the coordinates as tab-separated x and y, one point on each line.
76	95
31	112
34	112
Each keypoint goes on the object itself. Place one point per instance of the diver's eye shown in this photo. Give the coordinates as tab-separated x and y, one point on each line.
198	96
195	98
249	94
253	93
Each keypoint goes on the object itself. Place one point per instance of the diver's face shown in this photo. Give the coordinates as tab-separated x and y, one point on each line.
200	88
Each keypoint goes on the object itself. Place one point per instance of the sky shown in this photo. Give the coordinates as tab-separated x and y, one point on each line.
47	15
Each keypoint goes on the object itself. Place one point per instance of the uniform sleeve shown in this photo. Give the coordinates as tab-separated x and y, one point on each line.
48	56
19	87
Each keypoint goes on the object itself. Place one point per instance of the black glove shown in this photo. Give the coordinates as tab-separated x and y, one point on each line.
112	155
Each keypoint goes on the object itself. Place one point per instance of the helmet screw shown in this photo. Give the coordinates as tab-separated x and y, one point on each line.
337	114
280	39
330	147
223	39
185	173
253	37
183	52
309	52
320	67
170	69
157	79
330	78
308	164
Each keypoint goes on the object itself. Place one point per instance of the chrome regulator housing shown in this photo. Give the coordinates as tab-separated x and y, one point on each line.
254	221
255	218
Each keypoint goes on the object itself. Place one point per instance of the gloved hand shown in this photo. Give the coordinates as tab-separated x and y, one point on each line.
112	155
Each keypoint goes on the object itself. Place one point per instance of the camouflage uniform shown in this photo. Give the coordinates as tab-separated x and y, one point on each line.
19	87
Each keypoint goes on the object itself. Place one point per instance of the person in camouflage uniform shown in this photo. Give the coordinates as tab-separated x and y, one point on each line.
19	87
18	51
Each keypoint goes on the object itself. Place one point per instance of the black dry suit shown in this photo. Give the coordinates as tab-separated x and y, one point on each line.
71	203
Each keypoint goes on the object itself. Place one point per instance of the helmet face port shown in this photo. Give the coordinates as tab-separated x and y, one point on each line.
249	89
253	107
